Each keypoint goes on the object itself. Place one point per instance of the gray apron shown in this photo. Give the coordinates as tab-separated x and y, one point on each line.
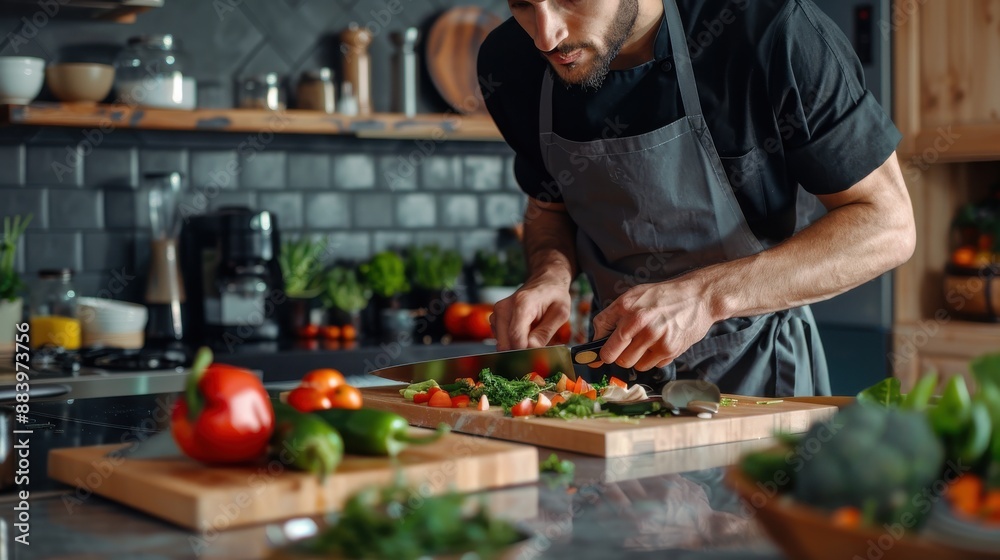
655	206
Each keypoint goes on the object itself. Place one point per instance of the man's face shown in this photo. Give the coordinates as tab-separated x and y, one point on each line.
579	38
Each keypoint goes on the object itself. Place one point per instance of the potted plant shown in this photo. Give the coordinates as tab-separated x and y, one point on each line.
435	273
302	267
499	273
11	304
385	275
344	297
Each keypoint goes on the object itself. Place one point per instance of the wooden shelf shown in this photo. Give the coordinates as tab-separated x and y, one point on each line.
292	121
945	346
119	11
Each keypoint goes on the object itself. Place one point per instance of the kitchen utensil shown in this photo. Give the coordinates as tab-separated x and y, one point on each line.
452	48
21	79
357	65
262	92
609	437
404	89
512	364
217	498
80	82
157	446
694	396
107	322
150	72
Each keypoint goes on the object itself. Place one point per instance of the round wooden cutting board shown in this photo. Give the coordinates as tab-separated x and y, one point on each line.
452	47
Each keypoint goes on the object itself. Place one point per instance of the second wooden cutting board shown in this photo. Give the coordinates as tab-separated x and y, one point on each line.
612	437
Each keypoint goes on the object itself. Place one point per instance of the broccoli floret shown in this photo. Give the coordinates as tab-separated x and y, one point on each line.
876	459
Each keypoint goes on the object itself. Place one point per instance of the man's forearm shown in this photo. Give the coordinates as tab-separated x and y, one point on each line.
855	242
549	241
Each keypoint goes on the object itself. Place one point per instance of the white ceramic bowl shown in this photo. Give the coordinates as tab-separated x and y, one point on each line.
107	316
21	78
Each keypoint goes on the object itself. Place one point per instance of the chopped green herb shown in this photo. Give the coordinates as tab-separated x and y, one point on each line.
506	392
553	464
601	385
726	401
770	402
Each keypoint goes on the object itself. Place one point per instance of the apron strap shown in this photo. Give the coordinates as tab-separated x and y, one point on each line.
682	60
545	105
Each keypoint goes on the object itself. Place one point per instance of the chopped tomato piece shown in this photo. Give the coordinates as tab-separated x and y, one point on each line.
618	382
591	394
536	379
561	384
421	398
570	385
440	399
523	408
557	399
542	405
433	390
484	403
461	401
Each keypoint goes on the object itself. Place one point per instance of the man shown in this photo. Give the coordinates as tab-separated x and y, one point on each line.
664	145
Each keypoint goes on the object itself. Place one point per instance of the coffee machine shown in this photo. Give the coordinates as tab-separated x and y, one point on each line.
233	281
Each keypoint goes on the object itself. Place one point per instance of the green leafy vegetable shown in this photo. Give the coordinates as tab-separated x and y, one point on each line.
885	393
10	280
399	523
553	464
986	370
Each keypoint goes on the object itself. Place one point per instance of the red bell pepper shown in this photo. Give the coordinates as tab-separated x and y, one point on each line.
224	415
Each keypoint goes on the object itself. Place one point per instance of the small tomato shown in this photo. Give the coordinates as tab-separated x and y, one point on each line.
307	399
308	331
330	332
347	397
323	380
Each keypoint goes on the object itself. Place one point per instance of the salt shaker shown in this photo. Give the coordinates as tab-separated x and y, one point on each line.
405	71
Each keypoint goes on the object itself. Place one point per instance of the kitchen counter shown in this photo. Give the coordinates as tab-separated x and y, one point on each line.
633	507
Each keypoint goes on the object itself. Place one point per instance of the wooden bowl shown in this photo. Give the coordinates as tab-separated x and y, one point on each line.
805	533
81	82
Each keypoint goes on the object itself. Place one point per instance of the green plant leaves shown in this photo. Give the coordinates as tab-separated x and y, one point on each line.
10	281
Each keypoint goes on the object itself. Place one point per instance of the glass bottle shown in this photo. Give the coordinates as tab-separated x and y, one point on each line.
52	314
150	72
317	91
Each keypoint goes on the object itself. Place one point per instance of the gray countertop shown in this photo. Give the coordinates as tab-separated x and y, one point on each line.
638	506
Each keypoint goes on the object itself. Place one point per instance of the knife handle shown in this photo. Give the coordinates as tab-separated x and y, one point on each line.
588	352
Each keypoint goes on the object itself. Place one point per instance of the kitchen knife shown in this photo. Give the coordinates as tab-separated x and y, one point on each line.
512	364
157	446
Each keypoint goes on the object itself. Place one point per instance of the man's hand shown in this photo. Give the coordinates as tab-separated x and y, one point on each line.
530	317
652	324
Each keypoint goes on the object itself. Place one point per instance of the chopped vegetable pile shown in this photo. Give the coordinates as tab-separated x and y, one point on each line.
553	464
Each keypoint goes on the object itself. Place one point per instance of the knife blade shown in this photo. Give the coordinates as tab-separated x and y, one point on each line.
157	446
511	364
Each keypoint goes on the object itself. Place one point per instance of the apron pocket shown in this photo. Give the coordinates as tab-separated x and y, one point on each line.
724	344
744	173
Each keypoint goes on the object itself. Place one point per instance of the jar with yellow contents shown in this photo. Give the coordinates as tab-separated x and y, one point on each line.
52	313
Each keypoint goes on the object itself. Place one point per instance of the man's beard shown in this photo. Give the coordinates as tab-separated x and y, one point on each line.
618	33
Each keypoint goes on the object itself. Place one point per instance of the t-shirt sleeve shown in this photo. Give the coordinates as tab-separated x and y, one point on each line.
513	104
834	132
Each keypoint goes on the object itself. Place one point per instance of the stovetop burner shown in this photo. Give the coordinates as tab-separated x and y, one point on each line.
109	359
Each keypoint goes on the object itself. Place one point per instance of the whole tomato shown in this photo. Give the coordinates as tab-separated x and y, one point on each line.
477	322
454	318
323	380
307	399
345	396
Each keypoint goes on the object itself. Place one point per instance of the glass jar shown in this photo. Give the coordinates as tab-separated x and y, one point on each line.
52	312
150	72
262	92
317	92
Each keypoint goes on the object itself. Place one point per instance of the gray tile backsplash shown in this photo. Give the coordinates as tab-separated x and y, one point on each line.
364	195
12	164
354	171
111	167
76	209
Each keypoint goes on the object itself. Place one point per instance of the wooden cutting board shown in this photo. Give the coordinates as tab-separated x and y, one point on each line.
611	437
203	498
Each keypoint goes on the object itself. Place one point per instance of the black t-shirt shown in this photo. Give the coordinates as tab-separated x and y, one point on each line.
781	88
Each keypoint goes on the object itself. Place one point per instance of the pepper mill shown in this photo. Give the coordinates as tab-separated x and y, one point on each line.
405	71
357	65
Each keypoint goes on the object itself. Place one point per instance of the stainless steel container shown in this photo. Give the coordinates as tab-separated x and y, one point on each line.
405	71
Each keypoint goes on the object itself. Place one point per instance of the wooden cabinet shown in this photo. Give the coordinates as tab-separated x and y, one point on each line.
947	100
